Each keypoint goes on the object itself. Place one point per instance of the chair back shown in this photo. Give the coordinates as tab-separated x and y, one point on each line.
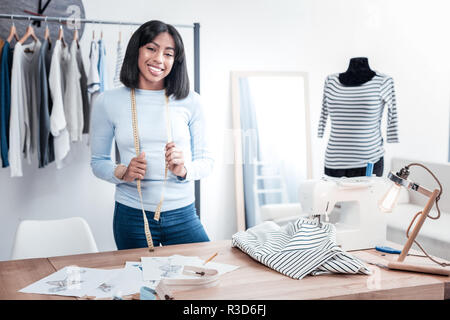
50	238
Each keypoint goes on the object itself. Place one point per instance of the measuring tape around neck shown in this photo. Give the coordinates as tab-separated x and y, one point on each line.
137	149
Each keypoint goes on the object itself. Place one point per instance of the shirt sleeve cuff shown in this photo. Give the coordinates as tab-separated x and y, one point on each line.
188	173
115	179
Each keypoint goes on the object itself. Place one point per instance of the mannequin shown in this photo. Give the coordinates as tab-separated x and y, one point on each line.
358	72
351	99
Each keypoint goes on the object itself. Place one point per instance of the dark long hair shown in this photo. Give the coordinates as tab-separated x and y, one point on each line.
176	82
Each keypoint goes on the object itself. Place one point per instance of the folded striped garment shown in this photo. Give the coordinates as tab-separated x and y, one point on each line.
304	247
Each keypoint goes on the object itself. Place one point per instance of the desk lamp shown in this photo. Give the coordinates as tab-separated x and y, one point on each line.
388	202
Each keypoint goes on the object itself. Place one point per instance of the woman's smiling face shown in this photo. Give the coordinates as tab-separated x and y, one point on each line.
155	61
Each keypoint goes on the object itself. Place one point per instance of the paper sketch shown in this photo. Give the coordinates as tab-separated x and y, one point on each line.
70	281
157	268
101	283
170	271
105	287
125	282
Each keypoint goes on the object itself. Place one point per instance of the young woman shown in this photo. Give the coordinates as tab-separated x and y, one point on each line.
170	132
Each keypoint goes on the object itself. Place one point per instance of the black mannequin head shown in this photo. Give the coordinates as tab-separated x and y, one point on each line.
358	72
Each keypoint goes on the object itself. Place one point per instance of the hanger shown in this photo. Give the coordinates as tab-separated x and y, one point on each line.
28	33
75	37
12	32
61	34
101	30
120	32
47	33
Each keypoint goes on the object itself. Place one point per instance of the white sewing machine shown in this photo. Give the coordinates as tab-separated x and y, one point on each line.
351	204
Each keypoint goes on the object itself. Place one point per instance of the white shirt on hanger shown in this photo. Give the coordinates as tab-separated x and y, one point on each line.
58	124
93	81
18	126
23	116
119	62
73	101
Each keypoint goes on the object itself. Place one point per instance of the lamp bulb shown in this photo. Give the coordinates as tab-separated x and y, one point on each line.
389	200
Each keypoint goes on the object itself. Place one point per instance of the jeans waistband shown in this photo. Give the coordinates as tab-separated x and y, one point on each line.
168	213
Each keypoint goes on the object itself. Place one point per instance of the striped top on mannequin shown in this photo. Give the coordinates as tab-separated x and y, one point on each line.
356	113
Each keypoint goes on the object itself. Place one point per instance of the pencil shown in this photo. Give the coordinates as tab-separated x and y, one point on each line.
210	258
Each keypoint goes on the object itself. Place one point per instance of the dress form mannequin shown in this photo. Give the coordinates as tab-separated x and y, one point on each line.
358	72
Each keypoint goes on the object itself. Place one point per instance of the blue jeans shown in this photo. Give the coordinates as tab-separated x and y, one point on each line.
174	227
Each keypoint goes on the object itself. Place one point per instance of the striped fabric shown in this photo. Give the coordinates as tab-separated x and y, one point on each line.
298	249
356	113
119	61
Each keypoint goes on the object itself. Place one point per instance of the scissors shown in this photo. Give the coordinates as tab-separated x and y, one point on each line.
387	250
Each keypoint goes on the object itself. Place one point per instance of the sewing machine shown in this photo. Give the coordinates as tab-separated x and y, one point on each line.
351	204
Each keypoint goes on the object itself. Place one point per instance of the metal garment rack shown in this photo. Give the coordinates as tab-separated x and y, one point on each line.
194	26
81	20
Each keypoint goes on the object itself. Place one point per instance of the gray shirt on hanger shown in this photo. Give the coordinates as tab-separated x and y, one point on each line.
84	92
45	139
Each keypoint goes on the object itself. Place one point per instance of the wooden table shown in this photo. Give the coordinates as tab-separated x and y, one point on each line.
251	280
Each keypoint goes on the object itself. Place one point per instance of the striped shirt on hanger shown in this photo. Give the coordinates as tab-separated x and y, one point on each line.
298	249
356	113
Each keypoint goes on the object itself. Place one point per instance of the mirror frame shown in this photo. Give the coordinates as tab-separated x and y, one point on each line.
237	133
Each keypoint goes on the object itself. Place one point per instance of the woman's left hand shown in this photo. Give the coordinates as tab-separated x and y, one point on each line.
175	160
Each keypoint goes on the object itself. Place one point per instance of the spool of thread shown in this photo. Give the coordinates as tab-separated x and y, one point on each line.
147	293
117	295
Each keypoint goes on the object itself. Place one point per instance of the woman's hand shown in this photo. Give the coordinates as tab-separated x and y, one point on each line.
136	169
175	160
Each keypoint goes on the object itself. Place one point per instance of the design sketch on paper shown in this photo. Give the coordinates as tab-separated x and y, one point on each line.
158	268
69	282
105	287
139	266
170	270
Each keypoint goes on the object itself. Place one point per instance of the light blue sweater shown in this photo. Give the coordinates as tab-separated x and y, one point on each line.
111	118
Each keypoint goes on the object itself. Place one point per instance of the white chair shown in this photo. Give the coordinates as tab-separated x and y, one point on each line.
50	238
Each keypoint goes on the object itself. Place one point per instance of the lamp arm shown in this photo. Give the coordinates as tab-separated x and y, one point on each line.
423	215
442	264
401	179
426	191
433	200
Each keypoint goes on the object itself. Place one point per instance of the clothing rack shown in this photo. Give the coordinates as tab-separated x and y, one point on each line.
194	26
82	20
196	30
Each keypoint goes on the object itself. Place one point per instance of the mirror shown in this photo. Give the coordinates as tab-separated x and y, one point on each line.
272	144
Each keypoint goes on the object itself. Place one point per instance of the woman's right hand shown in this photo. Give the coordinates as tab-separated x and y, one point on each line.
136	169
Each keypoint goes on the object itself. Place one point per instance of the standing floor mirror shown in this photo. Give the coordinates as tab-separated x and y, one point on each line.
272	144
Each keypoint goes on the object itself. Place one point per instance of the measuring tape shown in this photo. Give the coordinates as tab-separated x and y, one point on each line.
148	235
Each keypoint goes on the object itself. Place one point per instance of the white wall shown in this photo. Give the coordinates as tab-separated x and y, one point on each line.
405	39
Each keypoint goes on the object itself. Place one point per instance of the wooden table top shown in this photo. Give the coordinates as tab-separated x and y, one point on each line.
251	280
